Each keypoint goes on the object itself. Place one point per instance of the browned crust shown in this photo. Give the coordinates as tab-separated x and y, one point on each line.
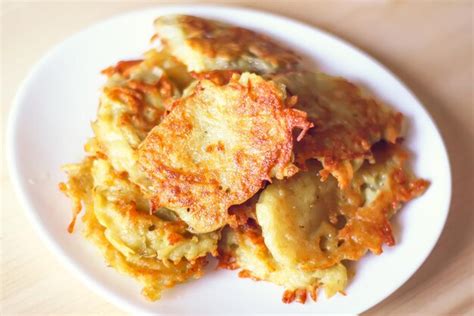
200	192
346	122
239	215
219	77
227	260
123	67
133	95
368	227
218	40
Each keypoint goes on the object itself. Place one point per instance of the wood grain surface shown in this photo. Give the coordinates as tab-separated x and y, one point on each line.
428	44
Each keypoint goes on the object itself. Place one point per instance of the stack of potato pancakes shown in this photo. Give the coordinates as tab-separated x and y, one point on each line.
218	144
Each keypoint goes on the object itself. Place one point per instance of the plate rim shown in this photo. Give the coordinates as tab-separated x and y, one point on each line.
73	266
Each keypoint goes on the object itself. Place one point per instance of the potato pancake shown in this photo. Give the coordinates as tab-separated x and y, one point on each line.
305	227
131	104
121	208
245	248
204	45
347	122
156	249
130	239
314	224
217	147
216	143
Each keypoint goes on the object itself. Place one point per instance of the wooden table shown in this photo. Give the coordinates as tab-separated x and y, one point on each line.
429	45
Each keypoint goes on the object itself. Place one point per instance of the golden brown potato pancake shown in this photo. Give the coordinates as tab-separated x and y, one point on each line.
204	45
188	140
217	147
347	122
244	248
121	207
131	104
305	227
315	224
116	223
157	249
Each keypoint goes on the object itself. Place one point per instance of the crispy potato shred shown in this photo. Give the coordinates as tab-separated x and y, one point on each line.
346	123
204	45
217	144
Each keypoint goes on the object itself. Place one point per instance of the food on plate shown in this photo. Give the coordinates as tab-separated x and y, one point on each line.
217	147
157	249
117	221
217	144
347	122
204	45
245	248
305	227
131	104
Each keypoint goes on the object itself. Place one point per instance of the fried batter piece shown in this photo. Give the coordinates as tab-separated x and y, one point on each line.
217	147
293	214
194	154
240	214
308	226
123	211
121	207
131	104
204	45
115	222
314	224
155	276
153	66
347	123
244	248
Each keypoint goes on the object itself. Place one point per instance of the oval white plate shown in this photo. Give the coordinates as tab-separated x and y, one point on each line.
50	122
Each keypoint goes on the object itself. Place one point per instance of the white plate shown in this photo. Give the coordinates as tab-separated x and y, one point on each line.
50	122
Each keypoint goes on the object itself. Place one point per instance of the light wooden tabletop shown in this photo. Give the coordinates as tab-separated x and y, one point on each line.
428	44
